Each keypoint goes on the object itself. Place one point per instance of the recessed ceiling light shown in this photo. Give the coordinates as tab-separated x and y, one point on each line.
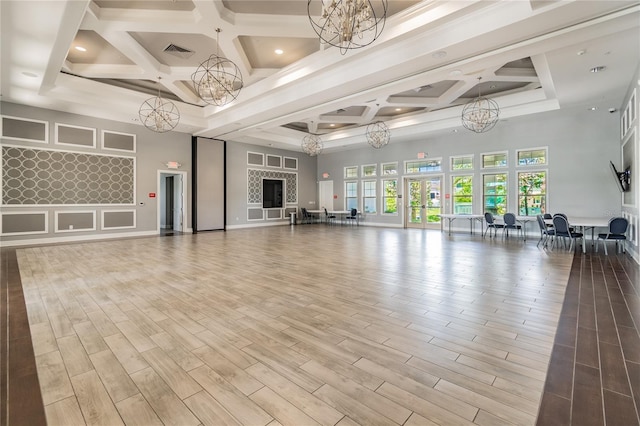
599	68
398	109
455	72
439	54
332	125
80	48
593	108
581	52
279	51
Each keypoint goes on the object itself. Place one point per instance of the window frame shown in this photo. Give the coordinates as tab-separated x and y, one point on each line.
383	172
384	197
506	160
426	160
363	172
506	192
453	157
542	148
366	197
346	194
453	192
546	190
346	173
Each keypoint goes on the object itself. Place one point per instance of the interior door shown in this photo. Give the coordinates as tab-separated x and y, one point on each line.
168	202
424	203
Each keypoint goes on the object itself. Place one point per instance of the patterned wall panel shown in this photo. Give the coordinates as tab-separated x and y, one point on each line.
46	177
254	184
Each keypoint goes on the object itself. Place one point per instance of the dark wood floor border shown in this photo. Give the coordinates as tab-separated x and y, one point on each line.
594	370
20	397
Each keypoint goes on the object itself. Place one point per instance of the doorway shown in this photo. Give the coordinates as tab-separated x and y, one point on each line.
424	204
325	194
172	212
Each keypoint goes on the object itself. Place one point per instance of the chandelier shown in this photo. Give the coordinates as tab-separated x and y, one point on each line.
378	134
217	80
348	24
481	114
159	115
312	145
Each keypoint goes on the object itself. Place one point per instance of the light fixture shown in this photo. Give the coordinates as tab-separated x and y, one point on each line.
312	145
217	80
481	114
80	49
599	68
279	51
348	24
378	134
159	115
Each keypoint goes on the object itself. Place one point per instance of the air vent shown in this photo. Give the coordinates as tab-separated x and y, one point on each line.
178	51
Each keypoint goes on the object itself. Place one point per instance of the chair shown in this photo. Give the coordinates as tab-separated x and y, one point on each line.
488	217
546	231
306	216
329	218
617	230
353	216
510	223
562	229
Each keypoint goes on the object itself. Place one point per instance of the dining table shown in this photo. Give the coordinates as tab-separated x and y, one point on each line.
450	217
585	223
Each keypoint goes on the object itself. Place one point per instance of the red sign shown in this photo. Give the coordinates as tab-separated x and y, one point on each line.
447	196
335	197
152	195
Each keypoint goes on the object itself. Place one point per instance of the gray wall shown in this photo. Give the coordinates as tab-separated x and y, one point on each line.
153	150
237	203
580	144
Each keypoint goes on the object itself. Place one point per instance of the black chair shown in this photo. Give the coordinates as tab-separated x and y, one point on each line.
491	224
562	229
510	223
617	230
546	231
329	218
306	216
353	216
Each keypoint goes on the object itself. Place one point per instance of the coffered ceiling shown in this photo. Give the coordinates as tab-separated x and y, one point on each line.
432	57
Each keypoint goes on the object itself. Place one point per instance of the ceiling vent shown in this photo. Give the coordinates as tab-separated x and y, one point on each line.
178	51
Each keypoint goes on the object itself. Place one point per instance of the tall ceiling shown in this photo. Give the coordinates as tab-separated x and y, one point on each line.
432	57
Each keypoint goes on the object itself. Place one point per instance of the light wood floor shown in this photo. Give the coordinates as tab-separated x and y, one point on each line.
294	325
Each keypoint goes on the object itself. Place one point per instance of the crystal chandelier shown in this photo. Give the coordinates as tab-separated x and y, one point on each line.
348	24
159	115
481	114
378	134
217	80
312	145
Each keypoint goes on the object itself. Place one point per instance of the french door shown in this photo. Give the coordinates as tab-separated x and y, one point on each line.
424	204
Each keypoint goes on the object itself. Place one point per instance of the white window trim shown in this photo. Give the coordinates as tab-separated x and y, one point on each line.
382	197
540	148
498	171
473	163
482	166
419	160
345	194
517	187
375	195
383	174
375	171
473	189
350	177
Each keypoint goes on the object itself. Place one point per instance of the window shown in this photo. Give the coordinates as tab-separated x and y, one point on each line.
368	170
532	193
532	157
421	166
462	194
390	168
462	162
390	196
351	195
495	193
351	172
369	196
498	159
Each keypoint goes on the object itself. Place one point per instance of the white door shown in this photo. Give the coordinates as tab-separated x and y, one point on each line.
325	194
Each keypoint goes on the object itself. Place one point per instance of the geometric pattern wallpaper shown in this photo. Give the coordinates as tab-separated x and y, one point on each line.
42	177
254	184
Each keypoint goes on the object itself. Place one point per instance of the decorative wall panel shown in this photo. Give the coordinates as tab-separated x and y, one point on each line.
274	213
75	221
46	177
255	158
255	214
254	184
24	129
118	219
274	161
75	135
290	163
116	141
24	223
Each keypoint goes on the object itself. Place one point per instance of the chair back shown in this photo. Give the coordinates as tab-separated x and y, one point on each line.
561	225
326	213
489	218
561	214
509	219
547	216
305	214
618	225
354	212
541	224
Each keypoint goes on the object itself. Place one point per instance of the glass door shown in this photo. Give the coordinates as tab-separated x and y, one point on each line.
423	202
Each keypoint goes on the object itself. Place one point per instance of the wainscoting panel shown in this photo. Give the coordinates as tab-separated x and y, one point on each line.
24	223
75	221
118	219
115	141
23	129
